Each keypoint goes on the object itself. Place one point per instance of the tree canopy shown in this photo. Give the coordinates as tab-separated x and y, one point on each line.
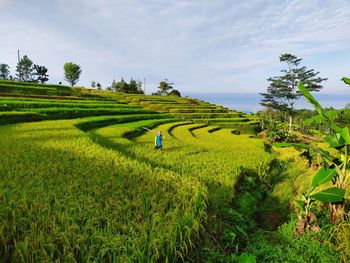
72	73
133	87
41	74
282	92
166	88
99	86
24	69
4	71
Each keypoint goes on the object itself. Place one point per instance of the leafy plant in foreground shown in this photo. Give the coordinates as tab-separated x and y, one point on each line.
335	166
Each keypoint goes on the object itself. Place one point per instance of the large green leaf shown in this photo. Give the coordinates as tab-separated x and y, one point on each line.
313	101
333	140
338	139
310	98
323	176
332	114
346	80
345	135
314	119
317	107
333	194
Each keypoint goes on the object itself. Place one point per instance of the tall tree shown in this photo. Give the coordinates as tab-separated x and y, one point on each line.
134	87
71	73
164	87
139	86
114	85
282	92
4	71
41	74
99	86
93	84
122	86
24	69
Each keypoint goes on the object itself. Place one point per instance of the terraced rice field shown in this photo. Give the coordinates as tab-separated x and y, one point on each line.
116	198
18	105
81	182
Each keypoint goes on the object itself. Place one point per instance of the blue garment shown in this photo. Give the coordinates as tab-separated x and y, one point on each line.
159	139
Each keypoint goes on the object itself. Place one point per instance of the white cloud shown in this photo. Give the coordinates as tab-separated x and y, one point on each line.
201	46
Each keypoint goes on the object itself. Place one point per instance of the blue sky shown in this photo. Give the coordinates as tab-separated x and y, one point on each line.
201	46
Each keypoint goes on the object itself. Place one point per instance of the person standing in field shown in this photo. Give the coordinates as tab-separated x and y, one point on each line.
158	141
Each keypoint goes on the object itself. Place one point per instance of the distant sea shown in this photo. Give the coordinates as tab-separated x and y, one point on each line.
248	102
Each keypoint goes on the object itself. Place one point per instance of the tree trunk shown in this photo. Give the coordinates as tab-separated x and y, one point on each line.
337	212
290	122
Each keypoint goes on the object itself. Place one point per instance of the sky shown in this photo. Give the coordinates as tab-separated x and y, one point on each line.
208	46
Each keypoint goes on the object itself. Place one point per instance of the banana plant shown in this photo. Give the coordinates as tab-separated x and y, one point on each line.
335	166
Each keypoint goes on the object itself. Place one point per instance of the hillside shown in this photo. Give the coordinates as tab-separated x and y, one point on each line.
28	102
81	181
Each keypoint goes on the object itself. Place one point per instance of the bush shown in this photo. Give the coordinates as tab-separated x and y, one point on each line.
277	131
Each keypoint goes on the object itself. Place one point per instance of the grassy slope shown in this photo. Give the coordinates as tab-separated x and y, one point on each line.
64	197
208	158
102	175
67	102
107	182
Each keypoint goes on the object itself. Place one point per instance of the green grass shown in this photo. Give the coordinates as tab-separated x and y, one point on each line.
100	103
10	104
16	117
38	90
94	189
11	83
104	197
205	156
87	124
91	203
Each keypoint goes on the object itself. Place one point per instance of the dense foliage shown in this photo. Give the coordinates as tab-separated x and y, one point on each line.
133	87
166	88
41	74
72	73
282	91
24	69
4	71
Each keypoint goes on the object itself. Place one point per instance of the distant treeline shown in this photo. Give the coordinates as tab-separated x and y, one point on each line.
28	72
